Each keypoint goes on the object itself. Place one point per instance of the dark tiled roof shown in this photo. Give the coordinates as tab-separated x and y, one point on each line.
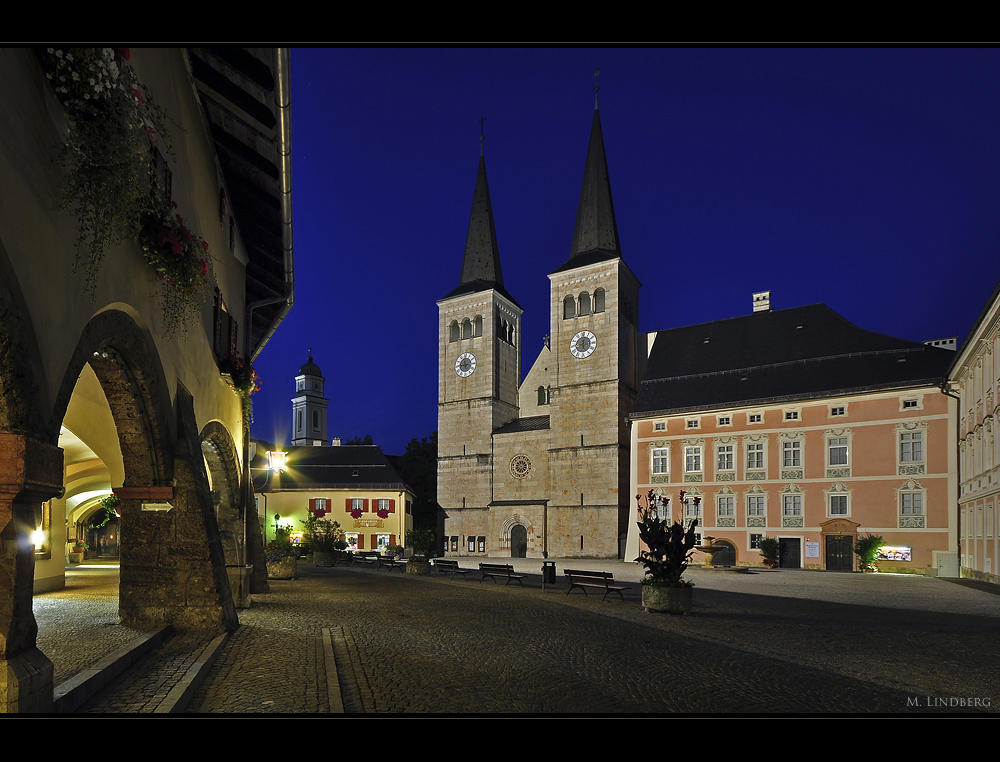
801	352
532	423
359	466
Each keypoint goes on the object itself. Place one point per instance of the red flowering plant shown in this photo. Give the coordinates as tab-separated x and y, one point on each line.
181	261
243	379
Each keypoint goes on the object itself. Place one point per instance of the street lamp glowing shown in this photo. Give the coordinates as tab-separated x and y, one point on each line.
276	460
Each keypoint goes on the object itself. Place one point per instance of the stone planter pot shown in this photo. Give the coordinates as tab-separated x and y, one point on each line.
323	558
666	600
418	565
76	558
284	569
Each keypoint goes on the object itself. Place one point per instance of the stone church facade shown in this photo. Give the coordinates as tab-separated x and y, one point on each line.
539	469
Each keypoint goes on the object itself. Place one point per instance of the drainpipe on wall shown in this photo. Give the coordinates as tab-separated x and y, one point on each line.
958	470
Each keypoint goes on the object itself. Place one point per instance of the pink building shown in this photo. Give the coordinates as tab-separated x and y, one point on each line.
796	424
975	378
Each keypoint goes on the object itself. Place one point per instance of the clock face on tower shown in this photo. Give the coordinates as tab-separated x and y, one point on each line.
465	365
583	344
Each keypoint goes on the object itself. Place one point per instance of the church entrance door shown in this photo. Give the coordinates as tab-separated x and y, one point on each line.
518	541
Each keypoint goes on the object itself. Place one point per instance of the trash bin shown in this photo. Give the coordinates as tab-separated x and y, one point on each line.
548	572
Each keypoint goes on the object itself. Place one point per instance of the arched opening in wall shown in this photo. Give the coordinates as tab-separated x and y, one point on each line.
456	332
478	326
467	329
599	300
93	464
584	303
518	541
569	308
222	466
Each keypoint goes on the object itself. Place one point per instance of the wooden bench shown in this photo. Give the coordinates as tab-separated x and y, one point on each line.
363	559
384	562
500	570
450	567
598	580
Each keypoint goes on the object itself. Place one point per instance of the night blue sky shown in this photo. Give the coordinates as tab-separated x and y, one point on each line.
866	179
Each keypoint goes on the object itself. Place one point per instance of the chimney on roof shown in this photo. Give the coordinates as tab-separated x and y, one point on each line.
762	301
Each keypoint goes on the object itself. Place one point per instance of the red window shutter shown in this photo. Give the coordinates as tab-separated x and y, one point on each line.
374	541
392	539
361	542
392	506
365	505
312	505
348	509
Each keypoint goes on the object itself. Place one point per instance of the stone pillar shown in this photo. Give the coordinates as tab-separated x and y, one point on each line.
31	472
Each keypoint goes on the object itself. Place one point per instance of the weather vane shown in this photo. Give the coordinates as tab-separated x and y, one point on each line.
481	134
597	86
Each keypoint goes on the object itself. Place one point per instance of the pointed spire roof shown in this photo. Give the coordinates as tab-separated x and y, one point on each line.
595	237
481	264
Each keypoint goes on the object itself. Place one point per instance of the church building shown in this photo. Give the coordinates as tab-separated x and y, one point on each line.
539	469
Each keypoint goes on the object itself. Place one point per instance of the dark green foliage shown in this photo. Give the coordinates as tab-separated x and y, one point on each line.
418	467
668	546
866	549
769	550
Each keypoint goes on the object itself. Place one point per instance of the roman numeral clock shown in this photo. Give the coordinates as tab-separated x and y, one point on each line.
465	365
583	345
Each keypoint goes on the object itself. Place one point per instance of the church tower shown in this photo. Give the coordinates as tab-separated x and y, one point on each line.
479	369
309	407
594	307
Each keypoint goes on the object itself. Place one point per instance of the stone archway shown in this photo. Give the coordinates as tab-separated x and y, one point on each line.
31	471
239	527
172	564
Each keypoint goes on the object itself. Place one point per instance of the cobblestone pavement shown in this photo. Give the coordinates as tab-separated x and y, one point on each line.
783	642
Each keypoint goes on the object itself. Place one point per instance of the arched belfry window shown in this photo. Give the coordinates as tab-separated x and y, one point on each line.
467	329
456	332
569	308
315	420
478	326
584	303
599	300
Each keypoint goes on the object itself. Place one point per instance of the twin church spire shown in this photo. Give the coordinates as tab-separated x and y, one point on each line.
595	235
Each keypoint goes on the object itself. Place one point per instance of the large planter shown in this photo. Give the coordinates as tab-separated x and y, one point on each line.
284	569
76	557
323	558
418	565
666	600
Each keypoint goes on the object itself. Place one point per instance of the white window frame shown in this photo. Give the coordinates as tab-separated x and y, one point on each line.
725	420
844	505
916	501
838	411
660	461
758	415
757	505
907	440
794	414
725	457
692	423
791	453
693	462
756	455
792	504
836	443
730	505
